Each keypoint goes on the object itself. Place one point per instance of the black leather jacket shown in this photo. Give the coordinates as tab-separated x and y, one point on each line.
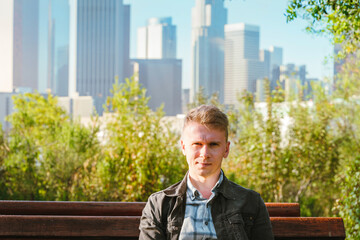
237	213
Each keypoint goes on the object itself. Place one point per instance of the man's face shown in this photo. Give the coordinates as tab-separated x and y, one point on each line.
204	149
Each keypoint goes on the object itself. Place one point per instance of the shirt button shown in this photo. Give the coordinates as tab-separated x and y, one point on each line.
206	223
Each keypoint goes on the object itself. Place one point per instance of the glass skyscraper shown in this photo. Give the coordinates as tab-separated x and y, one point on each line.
208	20
99	47
157	40
242	64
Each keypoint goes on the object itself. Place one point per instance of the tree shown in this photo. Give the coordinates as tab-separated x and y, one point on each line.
348	126
142	155
3	154
46	150
338	18
341	20
201	98
286	151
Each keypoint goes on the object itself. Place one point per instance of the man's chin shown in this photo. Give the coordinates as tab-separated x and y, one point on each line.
203	172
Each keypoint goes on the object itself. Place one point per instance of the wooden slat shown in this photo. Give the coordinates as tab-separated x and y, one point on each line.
283	209
110	208
68	226
71	208
308	227
110	226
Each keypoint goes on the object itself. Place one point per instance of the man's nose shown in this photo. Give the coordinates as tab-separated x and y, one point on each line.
204	151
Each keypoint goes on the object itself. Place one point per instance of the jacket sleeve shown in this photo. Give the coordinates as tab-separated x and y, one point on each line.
262	229
150	222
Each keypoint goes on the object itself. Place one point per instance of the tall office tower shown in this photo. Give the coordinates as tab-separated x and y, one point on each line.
162	80
99	47
338	63
185	99
292	77
157	67
54	38
157	40
208	20
272	59
264	56
276	56
19	44
6	46
276	60
308	90
62	71
242	64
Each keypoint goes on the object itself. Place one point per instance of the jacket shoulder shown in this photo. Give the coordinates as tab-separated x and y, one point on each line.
167	192
235	191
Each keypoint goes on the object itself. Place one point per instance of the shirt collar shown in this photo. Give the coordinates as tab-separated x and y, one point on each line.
194	193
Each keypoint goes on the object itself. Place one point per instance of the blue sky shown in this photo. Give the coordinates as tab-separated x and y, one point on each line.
299	47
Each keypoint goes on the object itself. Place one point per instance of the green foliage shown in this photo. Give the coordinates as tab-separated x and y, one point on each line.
46	150
201	98
296	165
288	151
48	156
340	19
141	154
3	155
348	126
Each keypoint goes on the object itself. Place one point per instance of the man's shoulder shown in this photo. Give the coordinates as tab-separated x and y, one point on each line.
236	191
171	191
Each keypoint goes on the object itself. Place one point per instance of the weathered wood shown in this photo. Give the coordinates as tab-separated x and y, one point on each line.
308	228
67	227
283	209
110	208
31	220
71	208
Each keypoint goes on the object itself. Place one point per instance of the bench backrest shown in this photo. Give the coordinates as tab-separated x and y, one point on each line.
110	208
119	220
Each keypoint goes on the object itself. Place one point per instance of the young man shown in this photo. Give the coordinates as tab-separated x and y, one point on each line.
205	204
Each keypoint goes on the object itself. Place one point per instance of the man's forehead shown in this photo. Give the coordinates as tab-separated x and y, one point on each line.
197	129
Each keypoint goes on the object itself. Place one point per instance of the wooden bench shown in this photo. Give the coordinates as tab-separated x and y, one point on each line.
120	220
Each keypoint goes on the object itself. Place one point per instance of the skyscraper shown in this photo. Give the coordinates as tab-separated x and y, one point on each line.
99	47
292	78
276	56
54	46
208	20
242	64
162	80
157	67
62	71
6	46
19	45
273	59
157	40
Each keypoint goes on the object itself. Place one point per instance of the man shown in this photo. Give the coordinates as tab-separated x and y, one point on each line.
205	204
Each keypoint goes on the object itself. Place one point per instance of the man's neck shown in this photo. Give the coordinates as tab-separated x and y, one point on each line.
204	184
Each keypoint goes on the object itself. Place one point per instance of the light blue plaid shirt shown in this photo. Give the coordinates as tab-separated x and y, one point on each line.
198	223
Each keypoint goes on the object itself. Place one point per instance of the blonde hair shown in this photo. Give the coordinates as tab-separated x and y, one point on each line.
209	116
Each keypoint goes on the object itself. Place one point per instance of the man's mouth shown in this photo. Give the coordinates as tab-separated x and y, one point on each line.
203	164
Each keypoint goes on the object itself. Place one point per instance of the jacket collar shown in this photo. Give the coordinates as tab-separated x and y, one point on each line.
179	189
226	189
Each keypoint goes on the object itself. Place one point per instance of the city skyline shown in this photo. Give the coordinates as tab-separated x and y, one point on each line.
48	71
299	47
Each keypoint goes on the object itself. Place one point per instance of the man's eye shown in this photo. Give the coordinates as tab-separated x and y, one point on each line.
214	144
197	144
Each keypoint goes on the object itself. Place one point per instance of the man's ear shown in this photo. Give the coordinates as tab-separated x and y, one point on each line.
182	146
227	149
